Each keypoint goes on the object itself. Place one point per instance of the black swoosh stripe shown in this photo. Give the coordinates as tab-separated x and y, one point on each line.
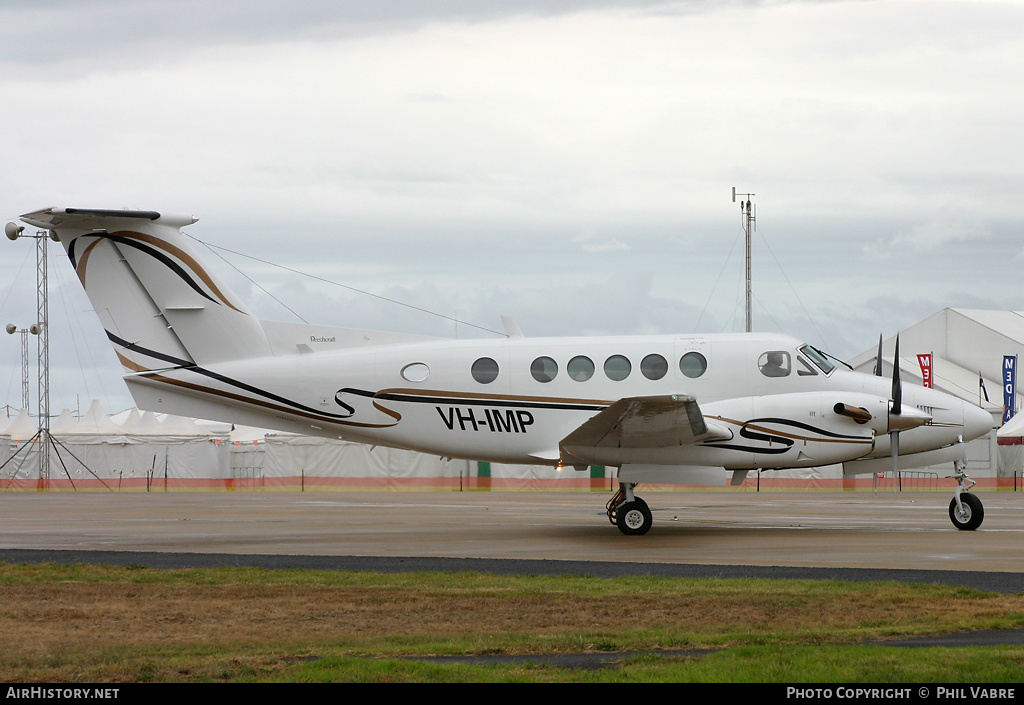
784	441
165	260
804	426
192	367
151	251
176	361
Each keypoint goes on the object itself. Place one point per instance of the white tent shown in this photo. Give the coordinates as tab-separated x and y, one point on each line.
98	453
4	441
23	428
149	423
20	462
306	462
94	422
130	421
247	445
1010	442
180	426
64	423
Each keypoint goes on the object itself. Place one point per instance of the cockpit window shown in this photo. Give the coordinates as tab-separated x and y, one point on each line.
818	358
805	369
774	363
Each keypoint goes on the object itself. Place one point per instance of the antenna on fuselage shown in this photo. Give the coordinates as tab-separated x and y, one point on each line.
749	218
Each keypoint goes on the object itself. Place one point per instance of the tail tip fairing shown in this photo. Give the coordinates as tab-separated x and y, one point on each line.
95	218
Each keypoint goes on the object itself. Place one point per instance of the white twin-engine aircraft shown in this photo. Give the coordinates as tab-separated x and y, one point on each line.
659	408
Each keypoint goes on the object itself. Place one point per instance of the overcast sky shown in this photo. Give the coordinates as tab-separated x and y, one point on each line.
568	163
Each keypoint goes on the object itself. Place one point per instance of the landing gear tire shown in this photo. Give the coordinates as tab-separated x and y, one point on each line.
633	518
969	516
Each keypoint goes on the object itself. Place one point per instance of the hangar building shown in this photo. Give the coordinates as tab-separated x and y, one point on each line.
968	350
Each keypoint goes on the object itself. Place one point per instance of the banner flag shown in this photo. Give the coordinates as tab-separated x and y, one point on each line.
926	369
1009	386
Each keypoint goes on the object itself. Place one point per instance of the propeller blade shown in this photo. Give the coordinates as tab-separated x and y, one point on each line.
894	439
897	409
878	358
897	385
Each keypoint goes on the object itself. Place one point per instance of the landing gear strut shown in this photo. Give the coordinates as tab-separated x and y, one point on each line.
965	509
628	512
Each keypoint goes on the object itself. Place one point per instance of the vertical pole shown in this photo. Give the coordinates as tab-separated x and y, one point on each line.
42	343
749	218
25	388
748	222
24	370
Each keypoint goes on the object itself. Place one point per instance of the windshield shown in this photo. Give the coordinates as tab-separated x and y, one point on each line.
818	358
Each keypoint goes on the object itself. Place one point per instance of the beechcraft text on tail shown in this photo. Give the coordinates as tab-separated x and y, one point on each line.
659	408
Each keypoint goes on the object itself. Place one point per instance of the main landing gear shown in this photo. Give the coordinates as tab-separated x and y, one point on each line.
628	512
965	509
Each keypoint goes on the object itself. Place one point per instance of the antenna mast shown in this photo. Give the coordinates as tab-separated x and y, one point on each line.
749	218
12	329
39	329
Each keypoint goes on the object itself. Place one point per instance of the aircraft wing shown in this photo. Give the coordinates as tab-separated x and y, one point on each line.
644	422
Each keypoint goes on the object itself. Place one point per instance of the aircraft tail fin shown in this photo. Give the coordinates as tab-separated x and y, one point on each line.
160	306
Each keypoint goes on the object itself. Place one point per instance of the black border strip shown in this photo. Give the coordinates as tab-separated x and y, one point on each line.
472	401
102	212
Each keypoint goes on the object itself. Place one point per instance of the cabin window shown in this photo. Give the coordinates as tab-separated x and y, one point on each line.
580	368
693	364
617	367
654	366
544	369
774	363
485	370
416	372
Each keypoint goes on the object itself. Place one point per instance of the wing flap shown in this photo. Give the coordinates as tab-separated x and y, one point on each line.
645	422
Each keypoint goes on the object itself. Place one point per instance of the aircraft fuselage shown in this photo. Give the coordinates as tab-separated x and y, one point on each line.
530	393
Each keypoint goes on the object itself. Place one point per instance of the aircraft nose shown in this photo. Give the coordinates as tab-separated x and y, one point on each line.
977	422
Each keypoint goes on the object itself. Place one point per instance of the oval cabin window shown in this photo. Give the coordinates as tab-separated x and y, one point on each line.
580	368
693	364
654	366
617	367
415	372
544	369
485	370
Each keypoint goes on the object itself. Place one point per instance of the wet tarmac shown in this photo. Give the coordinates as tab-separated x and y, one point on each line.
819	534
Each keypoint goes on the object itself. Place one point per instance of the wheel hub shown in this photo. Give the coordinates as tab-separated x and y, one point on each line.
634	519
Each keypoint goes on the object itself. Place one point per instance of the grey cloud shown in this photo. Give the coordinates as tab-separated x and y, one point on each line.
39	34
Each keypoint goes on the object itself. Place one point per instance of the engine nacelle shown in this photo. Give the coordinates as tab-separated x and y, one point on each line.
799	430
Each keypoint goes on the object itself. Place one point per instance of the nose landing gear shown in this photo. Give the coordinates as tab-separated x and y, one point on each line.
965	509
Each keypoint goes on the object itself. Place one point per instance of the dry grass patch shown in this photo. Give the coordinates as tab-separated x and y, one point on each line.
53	610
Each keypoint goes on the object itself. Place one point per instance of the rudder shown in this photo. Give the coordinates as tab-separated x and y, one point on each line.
159	305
